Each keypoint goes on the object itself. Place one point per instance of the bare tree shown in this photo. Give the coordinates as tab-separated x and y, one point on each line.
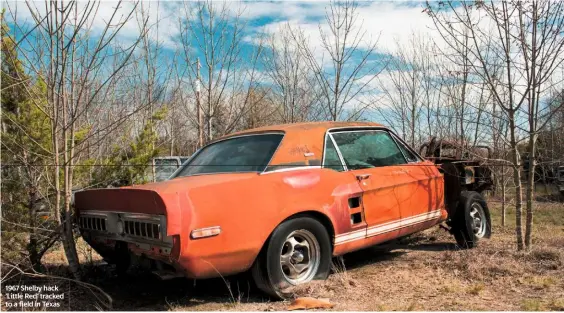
214	31
155	69
350	67
292	85
402	87
540	29
71	63
523	37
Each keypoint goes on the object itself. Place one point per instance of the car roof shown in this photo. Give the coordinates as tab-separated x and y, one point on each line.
302	143
306	126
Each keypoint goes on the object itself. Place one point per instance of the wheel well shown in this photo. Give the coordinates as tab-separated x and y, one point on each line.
322	218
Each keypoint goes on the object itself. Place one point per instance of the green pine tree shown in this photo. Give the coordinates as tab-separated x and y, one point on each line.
129	166
26	140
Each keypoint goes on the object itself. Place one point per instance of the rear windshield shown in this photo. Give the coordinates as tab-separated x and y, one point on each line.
241	154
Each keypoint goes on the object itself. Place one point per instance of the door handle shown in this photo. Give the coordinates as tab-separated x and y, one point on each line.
360	177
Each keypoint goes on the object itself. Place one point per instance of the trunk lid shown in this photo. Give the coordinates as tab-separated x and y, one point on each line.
169	198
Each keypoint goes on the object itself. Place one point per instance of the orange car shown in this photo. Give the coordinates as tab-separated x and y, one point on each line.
280	201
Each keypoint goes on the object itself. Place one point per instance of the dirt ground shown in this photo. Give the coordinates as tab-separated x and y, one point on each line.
423	272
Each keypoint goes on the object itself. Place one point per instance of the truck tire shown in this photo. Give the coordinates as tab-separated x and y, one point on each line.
298	251
472	220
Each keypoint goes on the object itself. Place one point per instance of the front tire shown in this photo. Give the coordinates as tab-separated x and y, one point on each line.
298	251
472	221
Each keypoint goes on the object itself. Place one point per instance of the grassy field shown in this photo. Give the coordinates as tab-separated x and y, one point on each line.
423	272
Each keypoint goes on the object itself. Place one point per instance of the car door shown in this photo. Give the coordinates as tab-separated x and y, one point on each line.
423	207
356	231
373	157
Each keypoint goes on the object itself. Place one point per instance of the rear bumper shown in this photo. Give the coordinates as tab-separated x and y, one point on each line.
114	235
145	236
111	249
191	265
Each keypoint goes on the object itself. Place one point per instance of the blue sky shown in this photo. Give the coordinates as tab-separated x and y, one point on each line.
392	23
388	21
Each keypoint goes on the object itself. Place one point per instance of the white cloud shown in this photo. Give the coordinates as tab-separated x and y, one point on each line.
166	13
393	22
284	10
386	21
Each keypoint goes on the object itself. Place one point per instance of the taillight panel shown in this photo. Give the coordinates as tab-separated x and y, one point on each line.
130	227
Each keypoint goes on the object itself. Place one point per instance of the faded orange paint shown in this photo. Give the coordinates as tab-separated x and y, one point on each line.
249	206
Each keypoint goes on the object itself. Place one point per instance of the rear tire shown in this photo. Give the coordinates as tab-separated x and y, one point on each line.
472	220
298	251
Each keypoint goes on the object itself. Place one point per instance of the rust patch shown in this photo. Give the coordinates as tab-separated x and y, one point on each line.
299	150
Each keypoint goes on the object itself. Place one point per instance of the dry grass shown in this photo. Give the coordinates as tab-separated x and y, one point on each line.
86	255
426	272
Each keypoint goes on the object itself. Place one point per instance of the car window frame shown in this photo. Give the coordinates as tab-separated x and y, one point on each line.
343	164
187	162
402	142
331	131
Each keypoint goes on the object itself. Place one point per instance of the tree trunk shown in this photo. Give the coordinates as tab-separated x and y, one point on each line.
32	246
530	190
69	244
517	181
503	197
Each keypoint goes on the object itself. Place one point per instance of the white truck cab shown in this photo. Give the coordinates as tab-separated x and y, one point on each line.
166	166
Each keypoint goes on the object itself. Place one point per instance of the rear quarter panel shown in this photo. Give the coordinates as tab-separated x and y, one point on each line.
249	210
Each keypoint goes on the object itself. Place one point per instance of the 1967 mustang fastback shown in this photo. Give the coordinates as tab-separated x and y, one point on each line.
281	201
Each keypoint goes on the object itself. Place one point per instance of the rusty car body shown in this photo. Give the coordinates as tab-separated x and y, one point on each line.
464	167
280	201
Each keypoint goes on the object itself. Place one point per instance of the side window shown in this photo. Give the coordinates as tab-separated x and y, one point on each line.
410	156
332	160
367	149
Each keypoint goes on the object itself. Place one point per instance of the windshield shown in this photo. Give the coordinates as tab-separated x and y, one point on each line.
241	154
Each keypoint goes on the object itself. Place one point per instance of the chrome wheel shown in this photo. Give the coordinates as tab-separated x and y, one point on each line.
479	221
300	257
